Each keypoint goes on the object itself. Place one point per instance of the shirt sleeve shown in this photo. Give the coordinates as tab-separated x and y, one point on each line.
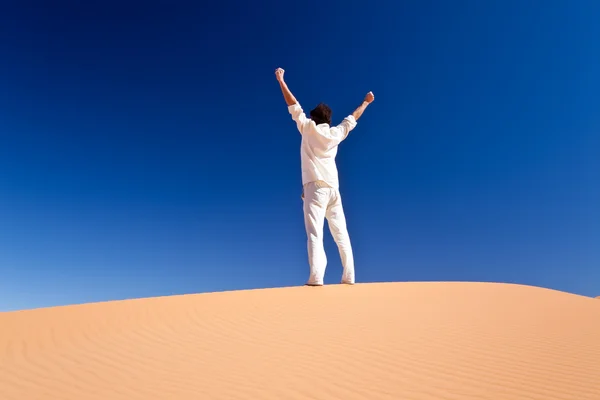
346	126
298	116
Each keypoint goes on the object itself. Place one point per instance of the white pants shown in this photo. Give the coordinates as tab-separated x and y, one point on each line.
320	202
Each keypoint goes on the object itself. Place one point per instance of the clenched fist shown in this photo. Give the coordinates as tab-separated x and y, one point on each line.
279	74
369	97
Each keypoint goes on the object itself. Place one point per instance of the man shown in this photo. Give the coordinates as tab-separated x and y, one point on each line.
320	182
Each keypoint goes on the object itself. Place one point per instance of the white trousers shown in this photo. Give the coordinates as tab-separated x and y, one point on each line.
320	202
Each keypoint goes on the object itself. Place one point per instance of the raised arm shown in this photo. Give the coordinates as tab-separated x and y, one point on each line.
349	123
294	107
287	95
359	111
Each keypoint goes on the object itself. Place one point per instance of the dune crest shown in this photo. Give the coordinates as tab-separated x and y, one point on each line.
420	341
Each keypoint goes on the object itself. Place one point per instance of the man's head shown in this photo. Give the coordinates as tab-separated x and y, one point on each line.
321	114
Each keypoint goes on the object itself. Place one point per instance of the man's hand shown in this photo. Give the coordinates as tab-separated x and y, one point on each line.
287	95
279	74
369	98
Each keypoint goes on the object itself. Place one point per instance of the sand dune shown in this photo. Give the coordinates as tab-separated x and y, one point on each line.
368	341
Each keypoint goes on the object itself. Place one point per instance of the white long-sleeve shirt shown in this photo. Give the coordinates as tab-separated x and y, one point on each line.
319	146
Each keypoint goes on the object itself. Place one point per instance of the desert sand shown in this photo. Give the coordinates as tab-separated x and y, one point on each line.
396	341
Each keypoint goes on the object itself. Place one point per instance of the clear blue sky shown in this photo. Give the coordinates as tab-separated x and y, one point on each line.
146	149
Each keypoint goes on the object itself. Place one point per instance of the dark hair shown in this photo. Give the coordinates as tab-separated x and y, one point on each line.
321	114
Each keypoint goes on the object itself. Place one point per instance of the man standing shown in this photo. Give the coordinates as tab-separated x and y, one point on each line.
320	182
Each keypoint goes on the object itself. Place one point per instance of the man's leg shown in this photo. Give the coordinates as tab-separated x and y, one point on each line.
315	205
337	225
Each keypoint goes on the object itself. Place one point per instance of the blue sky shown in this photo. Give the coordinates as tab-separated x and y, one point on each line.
146	150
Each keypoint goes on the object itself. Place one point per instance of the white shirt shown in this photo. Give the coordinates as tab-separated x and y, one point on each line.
319	146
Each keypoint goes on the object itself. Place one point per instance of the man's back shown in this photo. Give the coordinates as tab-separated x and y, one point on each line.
319	146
